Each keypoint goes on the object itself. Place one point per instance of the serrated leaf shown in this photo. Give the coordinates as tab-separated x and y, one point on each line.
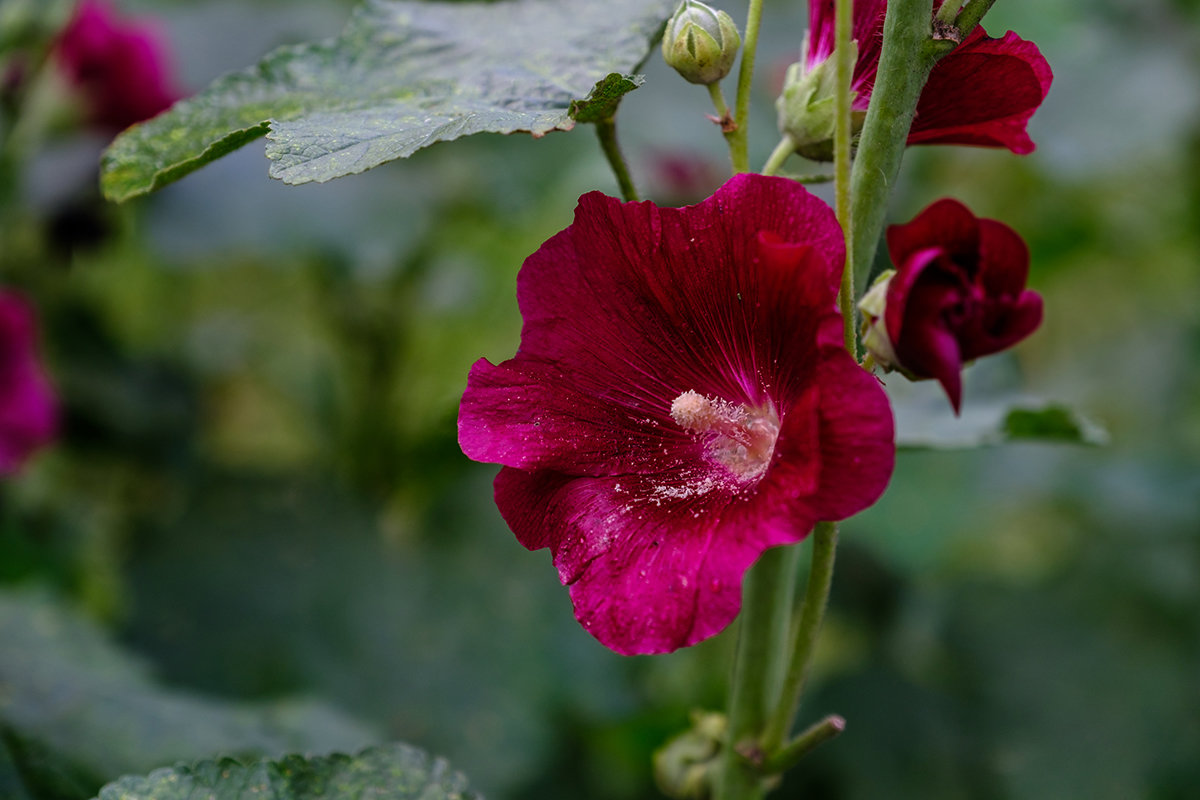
387	772
981	425
401	76
602	101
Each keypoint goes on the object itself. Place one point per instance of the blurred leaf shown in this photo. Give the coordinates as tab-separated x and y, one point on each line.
69	695
402	76
922	427
1053	423
394	771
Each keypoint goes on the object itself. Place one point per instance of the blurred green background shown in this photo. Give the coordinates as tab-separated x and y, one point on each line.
258	533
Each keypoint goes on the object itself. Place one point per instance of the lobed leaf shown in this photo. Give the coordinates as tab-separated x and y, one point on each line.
400	77
387	772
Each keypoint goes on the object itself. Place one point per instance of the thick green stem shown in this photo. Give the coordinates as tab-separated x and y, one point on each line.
816	596
904	65
739	144
606	129
761	646
841	163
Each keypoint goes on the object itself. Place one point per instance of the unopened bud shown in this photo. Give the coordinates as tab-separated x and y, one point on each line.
684	767
807	106
700	42
875	336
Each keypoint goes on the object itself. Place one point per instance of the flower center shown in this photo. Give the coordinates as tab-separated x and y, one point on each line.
740	438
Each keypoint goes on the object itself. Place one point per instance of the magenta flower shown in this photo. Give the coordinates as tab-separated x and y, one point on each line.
983	93
958	293
28	412
680	402
119	66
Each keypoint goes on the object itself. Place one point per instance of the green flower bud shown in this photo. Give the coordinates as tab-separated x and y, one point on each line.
874	332
700	42
807	107
684	766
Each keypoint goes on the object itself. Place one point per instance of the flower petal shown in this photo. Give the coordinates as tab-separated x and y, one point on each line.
644	578
946	222
983	93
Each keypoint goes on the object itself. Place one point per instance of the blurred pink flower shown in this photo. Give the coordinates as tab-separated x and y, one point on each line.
119	65
680	402
28	411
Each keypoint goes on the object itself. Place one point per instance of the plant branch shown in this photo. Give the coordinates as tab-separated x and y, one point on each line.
606	130
791	753
739	144
761	646
841	164
904	65
816	596
971	15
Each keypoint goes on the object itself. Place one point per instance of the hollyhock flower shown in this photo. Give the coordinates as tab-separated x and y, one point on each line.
982	93
680	402
119	66
958	293
28	413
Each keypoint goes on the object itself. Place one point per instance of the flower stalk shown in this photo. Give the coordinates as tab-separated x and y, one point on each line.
904	65
804	641
841	163
739	144
606	130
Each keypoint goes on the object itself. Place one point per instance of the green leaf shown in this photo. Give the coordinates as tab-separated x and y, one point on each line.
75	703
926	428
601	103
388	772
401	76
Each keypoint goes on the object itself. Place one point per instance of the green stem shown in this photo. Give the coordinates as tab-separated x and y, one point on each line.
791	753
816	596
606	129
779	155
904	64
841	163
724	118
949	11
971	15
762	643
739	144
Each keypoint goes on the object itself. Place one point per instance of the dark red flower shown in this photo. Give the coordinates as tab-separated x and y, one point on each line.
28	413
958	293
680	402
983	93
118	65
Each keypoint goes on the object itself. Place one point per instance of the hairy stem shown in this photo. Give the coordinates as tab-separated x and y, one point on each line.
606	130
904	65
816	597
841	164
971	15
762	643
739	144
779	155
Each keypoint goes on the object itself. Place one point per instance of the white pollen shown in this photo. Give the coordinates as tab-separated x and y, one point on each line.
739	438
693	411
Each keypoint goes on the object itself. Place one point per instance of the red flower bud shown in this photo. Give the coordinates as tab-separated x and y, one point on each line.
958	293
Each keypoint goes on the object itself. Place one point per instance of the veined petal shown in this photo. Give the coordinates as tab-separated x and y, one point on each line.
983	93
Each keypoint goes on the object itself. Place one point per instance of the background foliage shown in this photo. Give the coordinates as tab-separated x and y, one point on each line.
259	515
